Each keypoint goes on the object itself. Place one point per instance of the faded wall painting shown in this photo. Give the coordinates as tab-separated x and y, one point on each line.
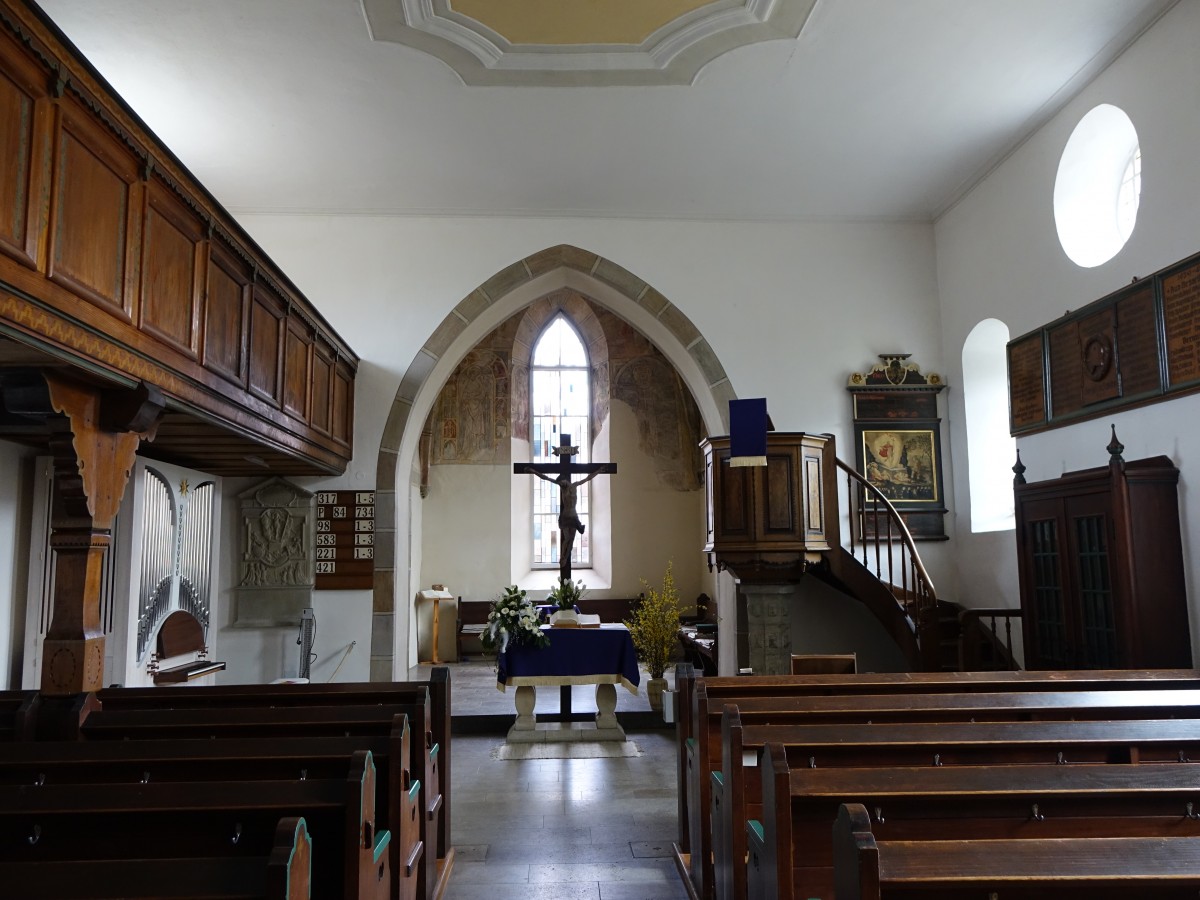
485	402
668	420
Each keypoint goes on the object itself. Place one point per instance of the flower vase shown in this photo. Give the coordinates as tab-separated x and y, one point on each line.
654	692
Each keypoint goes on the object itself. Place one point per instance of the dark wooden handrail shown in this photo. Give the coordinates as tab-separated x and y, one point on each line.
890	554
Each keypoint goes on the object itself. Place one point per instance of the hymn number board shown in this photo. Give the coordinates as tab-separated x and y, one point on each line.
345	555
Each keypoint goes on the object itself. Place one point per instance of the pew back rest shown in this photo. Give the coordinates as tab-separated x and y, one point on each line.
283	874
869	869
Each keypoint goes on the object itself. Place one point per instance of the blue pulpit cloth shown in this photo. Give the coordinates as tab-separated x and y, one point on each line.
603	655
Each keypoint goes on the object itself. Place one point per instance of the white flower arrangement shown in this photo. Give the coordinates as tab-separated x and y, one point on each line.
513	619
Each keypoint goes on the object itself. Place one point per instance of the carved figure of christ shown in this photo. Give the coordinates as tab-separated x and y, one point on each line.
560	473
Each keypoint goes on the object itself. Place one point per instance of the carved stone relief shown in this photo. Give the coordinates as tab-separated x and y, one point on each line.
276	578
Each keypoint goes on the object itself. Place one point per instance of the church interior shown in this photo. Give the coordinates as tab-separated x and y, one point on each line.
296	294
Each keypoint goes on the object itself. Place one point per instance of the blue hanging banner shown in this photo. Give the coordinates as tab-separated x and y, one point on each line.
748	425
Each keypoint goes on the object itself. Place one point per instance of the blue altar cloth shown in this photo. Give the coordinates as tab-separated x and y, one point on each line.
603	655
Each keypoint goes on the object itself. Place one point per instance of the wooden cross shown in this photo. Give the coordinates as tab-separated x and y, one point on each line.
560	473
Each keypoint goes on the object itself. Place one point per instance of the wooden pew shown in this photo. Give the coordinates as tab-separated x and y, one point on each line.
724	690
284	874
18	715
425	862
55	822
398	805
438	737
1096	868
705	754
790	849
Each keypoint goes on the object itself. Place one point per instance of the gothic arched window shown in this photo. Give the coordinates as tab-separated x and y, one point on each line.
559	403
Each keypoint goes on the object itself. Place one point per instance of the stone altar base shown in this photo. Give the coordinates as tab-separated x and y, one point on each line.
526	730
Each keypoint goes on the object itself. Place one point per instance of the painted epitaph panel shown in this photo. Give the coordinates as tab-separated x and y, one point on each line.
1181	315
898	442
1140	344
345	540
276	578
1027	383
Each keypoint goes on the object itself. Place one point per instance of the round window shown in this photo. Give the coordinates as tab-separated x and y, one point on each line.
1098	186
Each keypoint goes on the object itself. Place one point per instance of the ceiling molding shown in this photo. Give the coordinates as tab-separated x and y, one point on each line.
672	54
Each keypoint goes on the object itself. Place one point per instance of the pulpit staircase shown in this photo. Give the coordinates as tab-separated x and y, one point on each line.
879	565
793	517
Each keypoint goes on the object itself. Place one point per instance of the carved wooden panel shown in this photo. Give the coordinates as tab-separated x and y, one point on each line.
225	316
814	496
20	165
709	512
322	380
1097	357
779	495
170	308
1027	381
296	352
93	221
1181	320
1137	354
266	332
1065	389
735	499
1139	344
343	405
135	272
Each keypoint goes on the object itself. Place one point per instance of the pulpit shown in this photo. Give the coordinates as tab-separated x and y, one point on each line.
767	524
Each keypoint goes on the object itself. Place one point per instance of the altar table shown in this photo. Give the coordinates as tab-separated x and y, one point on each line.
602	656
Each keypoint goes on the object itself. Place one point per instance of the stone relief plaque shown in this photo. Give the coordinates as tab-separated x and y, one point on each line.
276	573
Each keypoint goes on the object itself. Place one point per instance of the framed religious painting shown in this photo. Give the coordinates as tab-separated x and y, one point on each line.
903	461
898	449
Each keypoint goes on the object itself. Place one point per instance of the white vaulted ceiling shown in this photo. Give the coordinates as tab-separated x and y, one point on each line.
878	110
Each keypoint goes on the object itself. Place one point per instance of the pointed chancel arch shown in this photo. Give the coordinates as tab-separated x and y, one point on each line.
529	282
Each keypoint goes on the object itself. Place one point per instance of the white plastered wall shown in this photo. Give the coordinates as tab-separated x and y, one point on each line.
16	512
998	256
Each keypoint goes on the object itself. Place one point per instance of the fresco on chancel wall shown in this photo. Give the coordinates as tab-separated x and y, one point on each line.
485	402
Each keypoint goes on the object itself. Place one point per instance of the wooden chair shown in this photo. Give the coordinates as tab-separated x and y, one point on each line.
824	664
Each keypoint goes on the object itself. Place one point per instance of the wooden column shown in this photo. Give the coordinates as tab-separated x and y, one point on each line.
93	440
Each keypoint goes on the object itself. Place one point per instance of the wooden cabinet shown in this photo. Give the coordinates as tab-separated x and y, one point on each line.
1101	568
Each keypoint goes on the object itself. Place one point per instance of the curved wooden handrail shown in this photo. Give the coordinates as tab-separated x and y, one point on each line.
914	590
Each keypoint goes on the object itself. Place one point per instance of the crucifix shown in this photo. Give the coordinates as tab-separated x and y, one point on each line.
560	473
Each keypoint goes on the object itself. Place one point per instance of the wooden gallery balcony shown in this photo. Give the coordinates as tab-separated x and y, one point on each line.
117	268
